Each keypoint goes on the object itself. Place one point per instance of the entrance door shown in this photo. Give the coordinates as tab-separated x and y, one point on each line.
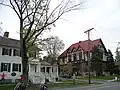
48	69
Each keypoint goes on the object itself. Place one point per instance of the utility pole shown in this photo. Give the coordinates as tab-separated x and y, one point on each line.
89	61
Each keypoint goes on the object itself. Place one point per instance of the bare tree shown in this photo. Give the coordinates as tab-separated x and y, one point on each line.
36	15
53	45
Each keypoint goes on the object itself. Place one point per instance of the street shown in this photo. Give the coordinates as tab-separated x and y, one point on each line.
106	86
112	87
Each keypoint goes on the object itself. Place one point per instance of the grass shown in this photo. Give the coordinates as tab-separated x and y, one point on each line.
104	77
64	84
101	78
7	87
67	83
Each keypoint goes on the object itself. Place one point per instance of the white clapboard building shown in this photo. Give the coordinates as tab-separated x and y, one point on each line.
11	64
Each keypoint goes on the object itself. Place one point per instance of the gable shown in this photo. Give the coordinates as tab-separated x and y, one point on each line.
79	48
83	45
102	46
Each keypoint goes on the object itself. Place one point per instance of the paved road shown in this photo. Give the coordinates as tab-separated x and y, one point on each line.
107	86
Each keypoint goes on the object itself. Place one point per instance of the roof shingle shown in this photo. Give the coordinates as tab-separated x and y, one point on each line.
8	42
83	45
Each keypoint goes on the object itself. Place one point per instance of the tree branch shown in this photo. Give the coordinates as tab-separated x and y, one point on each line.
34	13
28	31
18	6
6	5
41	30
14	8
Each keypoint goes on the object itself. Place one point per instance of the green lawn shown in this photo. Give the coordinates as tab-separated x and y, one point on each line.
104	77
65	84
7	87
101	78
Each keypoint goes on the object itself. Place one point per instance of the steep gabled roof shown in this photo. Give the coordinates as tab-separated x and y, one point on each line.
83	45
8	42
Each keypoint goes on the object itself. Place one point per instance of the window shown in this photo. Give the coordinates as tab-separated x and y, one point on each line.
69	58
74	57
80	56
52	69
48	70
63	60
16	52
16	67
19	67
6	51
5	67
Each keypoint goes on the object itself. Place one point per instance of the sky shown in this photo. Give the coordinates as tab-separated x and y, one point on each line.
102	15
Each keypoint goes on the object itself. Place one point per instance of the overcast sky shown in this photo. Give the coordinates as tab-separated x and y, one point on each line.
103	15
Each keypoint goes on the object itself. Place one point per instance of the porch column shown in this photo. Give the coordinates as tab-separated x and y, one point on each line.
45	69
57	70
39	68
51	69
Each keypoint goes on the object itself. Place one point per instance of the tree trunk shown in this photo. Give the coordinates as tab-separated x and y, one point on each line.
25	62
24	57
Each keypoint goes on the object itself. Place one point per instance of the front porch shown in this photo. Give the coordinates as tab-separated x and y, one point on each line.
39	71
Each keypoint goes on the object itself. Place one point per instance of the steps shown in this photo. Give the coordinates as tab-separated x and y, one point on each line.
38	78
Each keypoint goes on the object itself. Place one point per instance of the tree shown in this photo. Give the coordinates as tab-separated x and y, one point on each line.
110	62
36	15
96	61
117	57
35	48
53	45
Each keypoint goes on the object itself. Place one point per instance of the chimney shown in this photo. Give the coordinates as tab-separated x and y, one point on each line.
6	34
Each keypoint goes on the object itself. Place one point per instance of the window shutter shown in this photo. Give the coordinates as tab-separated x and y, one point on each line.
1	67
19	67
9	66
14	52
35	54
10	52
20	53
80	55
3	51
13	67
